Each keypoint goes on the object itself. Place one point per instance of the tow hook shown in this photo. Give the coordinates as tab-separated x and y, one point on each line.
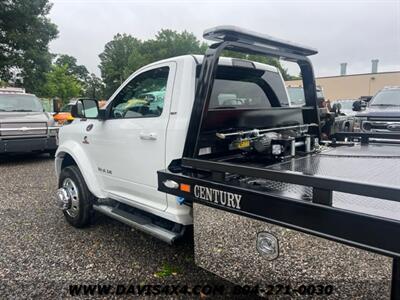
63	199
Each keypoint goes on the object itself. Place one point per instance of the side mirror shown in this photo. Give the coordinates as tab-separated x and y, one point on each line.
357	105
85	109
102	114
364	104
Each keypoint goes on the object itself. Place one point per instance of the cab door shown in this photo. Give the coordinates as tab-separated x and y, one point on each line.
129	147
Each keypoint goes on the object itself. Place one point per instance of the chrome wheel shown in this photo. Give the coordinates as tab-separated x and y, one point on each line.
73	193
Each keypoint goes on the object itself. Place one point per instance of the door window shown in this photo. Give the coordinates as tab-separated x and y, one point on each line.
143	96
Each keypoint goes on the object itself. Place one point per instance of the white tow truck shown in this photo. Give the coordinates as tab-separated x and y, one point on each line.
146	128
213	142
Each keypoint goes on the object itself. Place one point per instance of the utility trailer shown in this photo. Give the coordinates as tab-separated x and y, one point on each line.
303	214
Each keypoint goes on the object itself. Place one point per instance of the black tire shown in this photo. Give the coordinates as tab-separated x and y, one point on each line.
346	127
52	153
78	218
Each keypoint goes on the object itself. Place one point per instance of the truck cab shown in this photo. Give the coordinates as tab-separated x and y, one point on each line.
24	125
382	114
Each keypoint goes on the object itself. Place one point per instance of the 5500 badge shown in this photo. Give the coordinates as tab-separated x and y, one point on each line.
105	171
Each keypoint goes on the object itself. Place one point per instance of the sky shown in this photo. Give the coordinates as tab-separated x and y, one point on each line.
349	31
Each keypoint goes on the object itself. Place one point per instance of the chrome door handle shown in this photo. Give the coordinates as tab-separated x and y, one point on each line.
148	136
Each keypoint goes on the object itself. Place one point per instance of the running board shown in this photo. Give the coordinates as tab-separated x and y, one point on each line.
141	223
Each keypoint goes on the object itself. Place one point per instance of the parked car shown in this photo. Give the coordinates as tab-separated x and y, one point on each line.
343	107
296	95
328	121
381	114
24	125
343	114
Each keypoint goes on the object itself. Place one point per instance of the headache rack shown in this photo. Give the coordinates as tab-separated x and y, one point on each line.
241	40
346	194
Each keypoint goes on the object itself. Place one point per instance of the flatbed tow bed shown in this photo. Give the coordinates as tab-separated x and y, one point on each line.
325	194
347	194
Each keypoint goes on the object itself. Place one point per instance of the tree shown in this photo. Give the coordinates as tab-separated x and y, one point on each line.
25	33
114	60
126	54
79	71
169	43
61	84
94	87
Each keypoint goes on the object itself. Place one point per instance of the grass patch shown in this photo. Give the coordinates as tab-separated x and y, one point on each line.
167	270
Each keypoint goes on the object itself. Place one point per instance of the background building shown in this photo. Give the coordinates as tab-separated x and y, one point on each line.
356	85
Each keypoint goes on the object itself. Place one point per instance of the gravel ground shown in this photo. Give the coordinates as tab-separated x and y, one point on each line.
40	254
303	260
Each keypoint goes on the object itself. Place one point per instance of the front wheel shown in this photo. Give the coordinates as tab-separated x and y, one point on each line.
79	208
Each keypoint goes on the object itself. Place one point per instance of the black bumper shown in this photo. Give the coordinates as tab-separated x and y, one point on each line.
41	144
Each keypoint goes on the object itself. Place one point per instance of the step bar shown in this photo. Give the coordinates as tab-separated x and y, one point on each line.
138	222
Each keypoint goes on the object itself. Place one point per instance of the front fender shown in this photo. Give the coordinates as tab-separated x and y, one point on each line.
84	164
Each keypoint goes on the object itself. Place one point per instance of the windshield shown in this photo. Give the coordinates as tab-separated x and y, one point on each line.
387	98
296	95
20	102
345	104
297	98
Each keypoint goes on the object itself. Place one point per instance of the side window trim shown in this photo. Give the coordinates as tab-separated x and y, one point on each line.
133	100
169	87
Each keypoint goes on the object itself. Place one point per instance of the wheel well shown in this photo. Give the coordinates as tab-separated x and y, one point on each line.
345	125
67	161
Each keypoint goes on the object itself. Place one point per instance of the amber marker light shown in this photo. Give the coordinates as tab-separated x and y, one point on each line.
185	187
